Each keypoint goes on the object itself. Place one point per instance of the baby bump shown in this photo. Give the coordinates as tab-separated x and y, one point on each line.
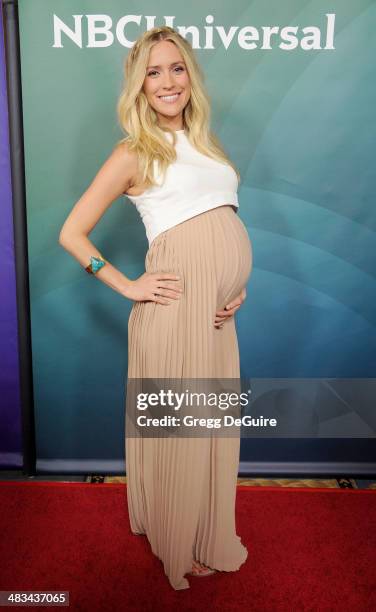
211	252
234	255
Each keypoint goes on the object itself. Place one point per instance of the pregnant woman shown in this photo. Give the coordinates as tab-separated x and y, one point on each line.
180	491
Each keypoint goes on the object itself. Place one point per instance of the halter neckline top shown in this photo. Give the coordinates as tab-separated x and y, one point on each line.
194	184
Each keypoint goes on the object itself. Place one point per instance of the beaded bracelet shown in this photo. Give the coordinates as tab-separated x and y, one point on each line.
96	263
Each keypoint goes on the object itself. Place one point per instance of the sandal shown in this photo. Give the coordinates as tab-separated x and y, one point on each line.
200	570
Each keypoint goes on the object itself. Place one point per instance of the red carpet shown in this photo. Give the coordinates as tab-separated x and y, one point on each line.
309	550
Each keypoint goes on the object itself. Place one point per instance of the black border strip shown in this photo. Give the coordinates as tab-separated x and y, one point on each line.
13	75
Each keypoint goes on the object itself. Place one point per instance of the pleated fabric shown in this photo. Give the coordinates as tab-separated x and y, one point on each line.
181	492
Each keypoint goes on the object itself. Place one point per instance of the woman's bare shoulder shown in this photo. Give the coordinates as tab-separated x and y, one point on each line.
125	161
122	152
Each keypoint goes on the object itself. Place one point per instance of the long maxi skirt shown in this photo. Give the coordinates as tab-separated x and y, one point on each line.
181	491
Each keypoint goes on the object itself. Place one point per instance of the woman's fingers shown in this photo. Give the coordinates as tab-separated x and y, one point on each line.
162	282
163	290
230	308
222	315
173	292
225	314
155	287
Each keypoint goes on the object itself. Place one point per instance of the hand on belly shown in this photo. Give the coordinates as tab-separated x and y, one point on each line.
222	315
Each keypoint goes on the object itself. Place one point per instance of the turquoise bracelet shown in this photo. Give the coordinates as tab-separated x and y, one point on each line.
96	263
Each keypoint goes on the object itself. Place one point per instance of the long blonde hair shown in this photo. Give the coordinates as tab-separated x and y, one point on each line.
139	120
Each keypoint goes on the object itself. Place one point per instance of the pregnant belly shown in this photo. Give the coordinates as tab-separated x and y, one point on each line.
234	255
211	251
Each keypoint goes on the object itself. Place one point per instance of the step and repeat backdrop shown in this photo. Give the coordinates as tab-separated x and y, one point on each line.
293	92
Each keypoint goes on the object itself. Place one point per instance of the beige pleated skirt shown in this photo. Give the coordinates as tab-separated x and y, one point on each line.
181	491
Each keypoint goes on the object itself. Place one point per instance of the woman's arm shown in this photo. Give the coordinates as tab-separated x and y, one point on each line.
113	179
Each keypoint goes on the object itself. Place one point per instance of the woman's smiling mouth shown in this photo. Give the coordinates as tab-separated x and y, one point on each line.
171	98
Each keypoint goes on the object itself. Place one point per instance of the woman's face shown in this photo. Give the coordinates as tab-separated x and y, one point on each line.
167	84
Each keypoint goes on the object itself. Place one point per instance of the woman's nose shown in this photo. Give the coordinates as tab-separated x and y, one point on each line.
168	81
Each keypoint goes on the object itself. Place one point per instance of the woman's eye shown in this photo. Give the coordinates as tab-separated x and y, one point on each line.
153	72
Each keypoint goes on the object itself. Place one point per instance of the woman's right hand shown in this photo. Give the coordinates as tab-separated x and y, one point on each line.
159	287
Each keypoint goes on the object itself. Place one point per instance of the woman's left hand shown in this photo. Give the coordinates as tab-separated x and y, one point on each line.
222	315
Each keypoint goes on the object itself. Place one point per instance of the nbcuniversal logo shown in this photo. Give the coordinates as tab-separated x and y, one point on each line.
94	31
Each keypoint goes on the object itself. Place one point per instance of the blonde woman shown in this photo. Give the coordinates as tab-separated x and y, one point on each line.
180	491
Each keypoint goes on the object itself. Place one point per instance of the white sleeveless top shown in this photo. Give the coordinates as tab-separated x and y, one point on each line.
194	183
